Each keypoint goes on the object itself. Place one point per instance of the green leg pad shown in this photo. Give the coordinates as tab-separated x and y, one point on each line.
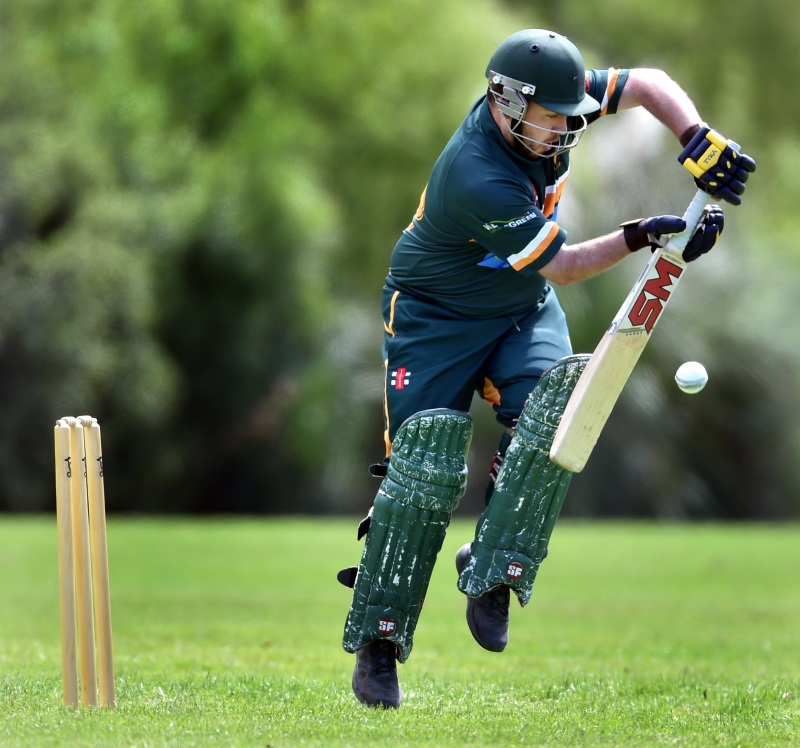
426	478
513	532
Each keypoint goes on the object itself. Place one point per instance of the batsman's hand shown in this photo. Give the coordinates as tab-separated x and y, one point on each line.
705	235
655	232
716	167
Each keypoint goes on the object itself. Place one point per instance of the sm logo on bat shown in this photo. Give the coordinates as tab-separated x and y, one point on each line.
647	307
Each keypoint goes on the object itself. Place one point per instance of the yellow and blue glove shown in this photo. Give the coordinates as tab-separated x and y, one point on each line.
716	166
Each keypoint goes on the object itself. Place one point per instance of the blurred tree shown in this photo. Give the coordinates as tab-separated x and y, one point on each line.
197	204
742	76
177	184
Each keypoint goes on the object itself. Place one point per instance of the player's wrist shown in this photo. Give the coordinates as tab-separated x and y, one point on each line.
689	133
634	234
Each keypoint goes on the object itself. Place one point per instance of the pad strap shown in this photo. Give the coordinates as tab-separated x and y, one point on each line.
513	532
426	478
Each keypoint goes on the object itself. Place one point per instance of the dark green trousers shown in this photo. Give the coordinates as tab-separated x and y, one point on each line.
436	358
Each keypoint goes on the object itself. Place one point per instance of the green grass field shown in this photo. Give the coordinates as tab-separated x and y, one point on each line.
229	634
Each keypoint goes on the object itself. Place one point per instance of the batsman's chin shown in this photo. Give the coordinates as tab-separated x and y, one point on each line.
546	151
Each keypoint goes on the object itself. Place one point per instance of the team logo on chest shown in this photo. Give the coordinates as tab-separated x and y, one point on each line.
400	378
492	226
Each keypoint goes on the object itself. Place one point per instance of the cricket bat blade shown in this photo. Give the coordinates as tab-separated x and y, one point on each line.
612	362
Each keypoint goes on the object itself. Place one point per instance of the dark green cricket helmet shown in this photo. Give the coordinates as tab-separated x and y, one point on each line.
540	66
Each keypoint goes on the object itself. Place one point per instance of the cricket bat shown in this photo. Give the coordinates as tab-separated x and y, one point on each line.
612	362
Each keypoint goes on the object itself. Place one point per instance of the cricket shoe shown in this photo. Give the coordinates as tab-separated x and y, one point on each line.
375	675
487	615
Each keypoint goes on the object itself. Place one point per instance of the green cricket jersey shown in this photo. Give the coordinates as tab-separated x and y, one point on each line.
487	219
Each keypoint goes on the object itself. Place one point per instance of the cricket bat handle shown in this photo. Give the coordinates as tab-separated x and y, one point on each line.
692	216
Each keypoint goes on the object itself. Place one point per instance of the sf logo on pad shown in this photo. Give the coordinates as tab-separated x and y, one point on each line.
386	626
514	570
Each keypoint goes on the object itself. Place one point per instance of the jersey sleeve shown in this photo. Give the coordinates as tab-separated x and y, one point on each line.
606	86
502	218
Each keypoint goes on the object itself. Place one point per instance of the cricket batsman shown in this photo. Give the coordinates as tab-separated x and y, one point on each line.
469	306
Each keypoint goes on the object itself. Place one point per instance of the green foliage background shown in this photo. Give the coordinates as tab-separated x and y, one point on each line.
198	200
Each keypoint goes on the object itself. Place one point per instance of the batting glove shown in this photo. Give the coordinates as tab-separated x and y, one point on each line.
655	232
651	232
717	168
705	236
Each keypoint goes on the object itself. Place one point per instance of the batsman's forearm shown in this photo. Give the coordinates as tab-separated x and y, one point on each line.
577	262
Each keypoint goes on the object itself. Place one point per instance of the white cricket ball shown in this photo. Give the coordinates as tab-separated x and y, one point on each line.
691	377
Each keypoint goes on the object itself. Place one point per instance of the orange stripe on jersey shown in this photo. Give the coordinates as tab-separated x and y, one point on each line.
490	393
536	248
613	76
420	209
386	439
553	195
390	327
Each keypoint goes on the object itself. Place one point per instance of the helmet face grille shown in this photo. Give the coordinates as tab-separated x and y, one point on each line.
512	104
568	138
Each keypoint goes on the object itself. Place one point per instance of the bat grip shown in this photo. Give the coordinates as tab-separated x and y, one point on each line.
692	215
